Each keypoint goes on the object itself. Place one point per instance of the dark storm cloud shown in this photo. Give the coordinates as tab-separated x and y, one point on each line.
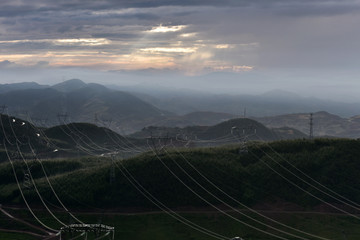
14	11
285	4
304	7
75	24
116	35
141	16
78	18
63	29
318	8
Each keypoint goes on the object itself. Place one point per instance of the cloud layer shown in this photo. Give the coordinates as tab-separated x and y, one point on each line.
117	35
295	38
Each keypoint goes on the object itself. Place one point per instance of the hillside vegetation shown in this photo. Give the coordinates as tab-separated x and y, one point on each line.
67	140
173	176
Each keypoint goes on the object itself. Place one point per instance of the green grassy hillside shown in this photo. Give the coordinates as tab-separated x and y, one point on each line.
84	185
88	135
251	177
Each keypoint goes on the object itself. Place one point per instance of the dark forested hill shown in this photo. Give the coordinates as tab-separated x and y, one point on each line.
267	172
233	130
20	139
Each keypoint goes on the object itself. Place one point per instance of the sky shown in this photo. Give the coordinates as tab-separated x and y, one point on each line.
250	46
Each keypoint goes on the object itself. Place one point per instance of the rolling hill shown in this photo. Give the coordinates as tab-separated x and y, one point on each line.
15	136
90	139
250	177
230	131
75	139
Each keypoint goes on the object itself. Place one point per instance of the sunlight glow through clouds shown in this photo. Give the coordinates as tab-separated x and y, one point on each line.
70	41
224	46
191	57
92	60
164	29
83	41
188	35
169	50
242	68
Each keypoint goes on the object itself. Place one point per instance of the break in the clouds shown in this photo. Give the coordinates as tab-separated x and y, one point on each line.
184	36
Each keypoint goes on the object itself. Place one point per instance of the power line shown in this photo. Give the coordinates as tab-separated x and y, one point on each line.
238	202
187	222
23	197
311	124
301	188
62	117
353	204
90	148
84	228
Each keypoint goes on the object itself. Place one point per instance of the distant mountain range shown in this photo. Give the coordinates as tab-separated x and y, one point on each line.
127	110
76	101
195	119
272	103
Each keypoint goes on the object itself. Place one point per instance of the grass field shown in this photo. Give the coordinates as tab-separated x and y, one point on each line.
160	226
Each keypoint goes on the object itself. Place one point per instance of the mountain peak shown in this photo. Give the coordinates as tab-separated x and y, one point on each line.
69	85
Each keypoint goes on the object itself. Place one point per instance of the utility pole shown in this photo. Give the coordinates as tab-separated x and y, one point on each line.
107	122
40	122
344	234
112	170
162	142
99	231
243	136
2	109
311	135
96	120
62	117
27	182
